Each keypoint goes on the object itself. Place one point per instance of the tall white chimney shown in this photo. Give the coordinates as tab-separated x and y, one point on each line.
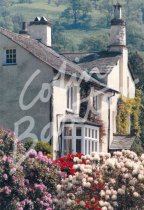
40	29
118	29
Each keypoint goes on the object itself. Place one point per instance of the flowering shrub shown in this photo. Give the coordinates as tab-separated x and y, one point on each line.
81	189
27	181
104	182
66	163
124	181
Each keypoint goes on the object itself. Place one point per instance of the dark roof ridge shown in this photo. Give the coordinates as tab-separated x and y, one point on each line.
87	52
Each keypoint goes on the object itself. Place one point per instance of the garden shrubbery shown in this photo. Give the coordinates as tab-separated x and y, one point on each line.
102	182
39	146
29	180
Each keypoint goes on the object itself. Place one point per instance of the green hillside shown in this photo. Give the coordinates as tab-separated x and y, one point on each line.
93	21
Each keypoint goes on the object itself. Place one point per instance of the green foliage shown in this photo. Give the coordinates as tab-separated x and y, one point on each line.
78	11
38	146
91	15
129	111
137	147
94	43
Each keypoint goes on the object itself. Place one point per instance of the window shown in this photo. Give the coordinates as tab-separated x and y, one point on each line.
91	139
95	102
67	146
70	98
10	56
77	138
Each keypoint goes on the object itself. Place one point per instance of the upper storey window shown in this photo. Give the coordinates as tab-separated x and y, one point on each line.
70	98
10	56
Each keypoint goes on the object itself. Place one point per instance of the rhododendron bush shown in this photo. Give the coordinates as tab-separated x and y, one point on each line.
32	181
103	182
27	181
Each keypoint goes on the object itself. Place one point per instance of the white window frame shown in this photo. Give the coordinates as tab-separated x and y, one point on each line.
89	137
12	56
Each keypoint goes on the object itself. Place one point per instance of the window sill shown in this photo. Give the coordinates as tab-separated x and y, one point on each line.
70	111
9	64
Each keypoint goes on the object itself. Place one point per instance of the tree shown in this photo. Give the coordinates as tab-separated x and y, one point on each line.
94	43
77	11
137	64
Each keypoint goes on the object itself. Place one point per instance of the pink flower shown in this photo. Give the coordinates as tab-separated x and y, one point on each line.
40	187
5	176
32	153
7	190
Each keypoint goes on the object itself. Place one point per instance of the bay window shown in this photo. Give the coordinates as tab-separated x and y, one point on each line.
78	138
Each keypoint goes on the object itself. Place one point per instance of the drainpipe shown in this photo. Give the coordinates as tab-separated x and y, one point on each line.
109	117
51	106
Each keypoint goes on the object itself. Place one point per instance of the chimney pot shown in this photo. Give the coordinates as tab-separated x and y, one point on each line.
24	28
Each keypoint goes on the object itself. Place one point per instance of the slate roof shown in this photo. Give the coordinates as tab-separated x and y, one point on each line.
101	62
50	57
122	142
75	119
42	52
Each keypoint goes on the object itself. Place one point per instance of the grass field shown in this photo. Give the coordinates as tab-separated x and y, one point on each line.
53	12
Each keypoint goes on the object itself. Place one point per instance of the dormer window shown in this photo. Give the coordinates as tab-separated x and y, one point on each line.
70	98
10	56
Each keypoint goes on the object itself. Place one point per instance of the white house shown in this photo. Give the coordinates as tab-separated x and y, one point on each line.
41	90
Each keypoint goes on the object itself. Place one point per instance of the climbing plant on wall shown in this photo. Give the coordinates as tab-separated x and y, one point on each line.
129	111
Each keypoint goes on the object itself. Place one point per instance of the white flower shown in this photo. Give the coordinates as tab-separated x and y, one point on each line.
102	193
142	157
69	202
111	162
135	194
76	159
104	208
101	203
114	197
70	185
108	192
58	187
134	172
121	191
82	203
107	197
90	179
140	177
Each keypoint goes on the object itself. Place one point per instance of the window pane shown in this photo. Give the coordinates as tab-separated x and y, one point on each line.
78	145
71	98
85	146
10	56
95	102
89	132
95	146
68	98
85	131
67	131
78	131
89	147
67	146
96	134
92	133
